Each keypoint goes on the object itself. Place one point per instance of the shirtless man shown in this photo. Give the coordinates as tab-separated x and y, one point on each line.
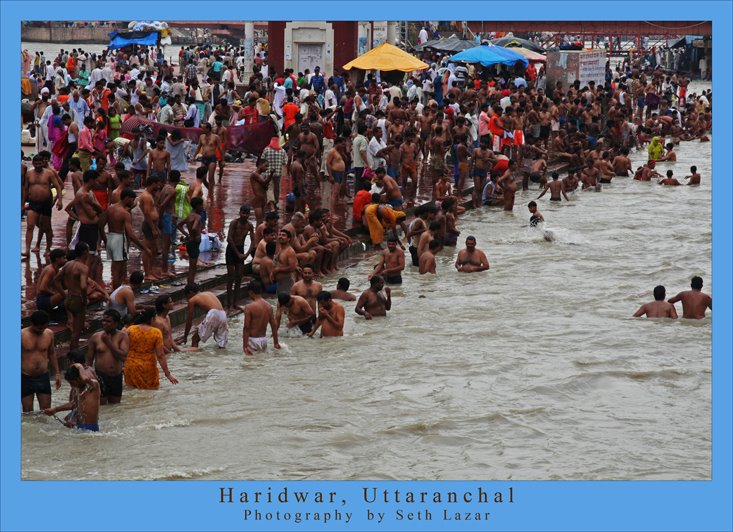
463	160
159	160
438	146
391	263
124	180
37	350
300	313
150	228
621	163
658	308
215	321
207	146
297	176
591	175
74	276
483	158
428	236
408	165
310	146
669	180
390	188
107	351
49	294
694	178
537	172
223	135
342	290
694	302
508	186
260	181
162	321
307	288
119	223
286	263
194	226
331	316
166	205
605	167
257	315
427	259
38	182
471	259
371	301
76	176
86	398
267	265
336	170
647	172
307	250
556	188
239	228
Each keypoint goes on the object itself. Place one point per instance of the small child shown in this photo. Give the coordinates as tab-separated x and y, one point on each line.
536	216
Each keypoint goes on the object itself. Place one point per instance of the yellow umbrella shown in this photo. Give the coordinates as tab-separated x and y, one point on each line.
386	57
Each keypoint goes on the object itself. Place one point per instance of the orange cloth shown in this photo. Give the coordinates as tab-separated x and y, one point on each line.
377	226
141	365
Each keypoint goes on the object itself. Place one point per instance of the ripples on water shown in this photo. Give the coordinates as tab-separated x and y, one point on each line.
534	370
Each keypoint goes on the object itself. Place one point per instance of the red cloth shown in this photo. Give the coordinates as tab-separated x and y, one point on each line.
250	139
361	200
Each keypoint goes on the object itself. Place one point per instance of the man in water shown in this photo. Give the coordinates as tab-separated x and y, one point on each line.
371	302
307	288
87	397
342	290
331	316
471	259
669	180
107	351
286	263
658	308
427	259
215	322
694	178
37	350
300	313
556	188
535	215
391	263
257	315
694	302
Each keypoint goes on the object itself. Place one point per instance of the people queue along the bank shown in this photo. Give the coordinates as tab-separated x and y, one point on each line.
496	129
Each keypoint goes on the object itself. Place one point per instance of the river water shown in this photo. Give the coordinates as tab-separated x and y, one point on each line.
533	370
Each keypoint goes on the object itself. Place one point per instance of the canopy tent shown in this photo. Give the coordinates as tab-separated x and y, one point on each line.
488	55
509	42
386	57
533	57
120	39
451	44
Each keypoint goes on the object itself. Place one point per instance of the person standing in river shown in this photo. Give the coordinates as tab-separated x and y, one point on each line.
695	302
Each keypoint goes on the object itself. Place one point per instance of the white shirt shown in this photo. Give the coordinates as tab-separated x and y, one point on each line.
95	76
374	147
107	74
330	99
422	37
505	102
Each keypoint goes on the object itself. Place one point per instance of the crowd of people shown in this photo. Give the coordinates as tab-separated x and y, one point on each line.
430	141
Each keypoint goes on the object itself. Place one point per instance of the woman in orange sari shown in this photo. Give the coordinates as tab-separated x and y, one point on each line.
146	347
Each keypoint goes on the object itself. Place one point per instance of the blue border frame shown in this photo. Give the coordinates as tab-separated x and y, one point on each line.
636	505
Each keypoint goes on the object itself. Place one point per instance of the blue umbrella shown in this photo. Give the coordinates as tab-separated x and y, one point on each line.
489	55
